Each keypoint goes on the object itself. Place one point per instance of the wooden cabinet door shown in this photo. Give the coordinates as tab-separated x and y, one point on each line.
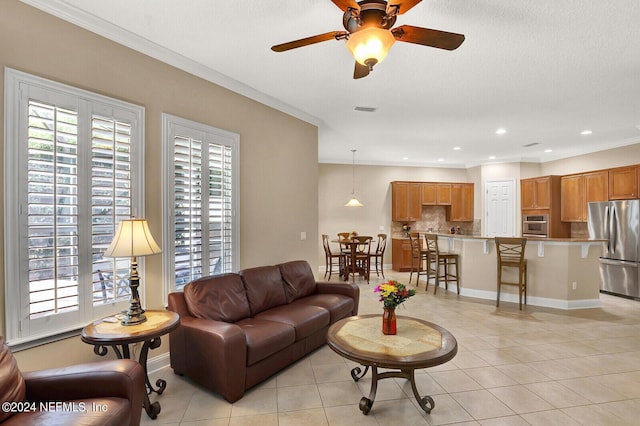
543	193
399	196
414	203
461	203
429	194
444	194
527	193
623	183
401	255
406	205
596	188
572	205
436	194
535	193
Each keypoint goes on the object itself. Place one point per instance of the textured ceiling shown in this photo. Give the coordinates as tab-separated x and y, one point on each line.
544	70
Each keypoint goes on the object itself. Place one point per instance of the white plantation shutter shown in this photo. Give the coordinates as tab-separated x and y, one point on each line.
71	163
200	182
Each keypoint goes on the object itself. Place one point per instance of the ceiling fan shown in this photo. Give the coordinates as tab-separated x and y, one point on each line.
369	34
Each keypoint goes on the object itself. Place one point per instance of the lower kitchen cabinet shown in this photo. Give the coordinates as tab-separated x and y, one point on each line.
401	257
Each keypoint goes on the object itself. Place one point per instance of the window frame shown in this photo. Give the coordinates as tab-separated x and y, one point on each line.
209	134
22	331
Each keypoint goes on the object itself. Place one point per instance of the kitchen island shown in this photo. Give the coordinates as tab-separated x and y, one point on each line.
563	272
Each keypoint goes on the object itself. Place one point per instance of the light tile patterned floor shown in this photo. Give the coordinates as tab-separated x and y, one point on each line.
535	367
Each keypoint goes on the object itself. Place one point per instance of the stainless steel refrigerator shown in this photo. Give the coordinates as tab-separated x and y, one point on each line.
618	223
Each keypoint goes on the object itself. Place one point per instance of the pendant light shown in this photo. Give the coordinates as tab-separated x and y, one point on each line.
353	202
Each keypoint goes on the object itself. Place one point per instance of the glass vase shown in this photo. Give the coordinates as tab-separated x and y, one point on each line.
389	321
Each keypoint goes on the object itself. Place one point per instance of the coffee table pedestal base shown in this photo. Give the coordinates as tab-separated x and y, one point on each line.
426	403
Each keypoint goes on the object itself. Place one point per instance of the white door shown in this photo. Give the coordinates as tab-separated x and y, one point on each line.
500	208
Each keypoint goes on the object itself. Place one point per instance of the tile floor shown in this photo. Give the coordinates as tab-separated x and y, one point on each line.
535	367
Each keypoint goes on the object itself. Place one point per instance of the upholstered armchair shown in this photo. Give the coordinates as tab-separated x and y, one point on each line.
99	393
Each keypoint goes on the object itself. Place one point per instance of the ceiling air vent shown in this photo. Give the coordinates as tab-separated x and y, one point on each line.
365	109
529	145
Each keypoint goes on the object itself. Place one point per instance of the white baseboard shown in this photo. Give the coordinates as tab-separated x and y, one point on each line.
531	300
158	362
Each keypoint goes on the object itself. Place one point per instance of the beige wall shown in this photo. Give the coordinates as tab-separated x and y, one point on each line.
278	153
373	189
617	157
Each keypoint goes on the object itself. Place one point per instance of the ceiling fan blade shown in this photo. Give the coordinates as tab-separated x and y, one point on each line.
333	35
403	5
360	71
428	37
346	4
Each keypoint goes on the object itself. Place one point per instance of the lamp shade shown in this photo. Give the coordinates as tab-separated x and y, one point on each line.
354	203
132	238
370	45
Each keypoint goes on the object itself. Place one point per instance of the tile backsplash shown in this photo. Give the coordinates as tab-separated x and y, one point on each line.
434	219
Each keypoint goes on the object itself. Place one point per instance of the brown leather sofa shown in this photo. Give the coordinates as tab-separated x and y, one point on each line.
237	330
99	393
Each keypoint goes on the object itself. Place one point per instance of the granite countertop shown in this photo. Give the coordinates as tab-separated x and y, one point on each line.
481	237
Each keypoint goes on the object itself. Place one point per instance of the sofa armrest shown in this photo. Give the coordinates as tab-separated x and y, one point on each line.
215	355
123	378
344	288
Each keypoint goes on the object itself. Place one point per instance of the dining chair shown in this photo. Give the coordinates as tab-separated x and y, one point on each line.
418	258
358	262
331	257
344	248
440	263
510	253
378	255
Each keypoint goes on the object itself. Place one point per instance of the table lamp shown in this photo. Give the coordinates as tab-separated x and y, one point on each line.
133	239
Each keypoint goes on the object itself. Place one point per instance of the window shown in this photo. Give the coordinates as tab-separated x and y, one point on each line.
73	170
201	213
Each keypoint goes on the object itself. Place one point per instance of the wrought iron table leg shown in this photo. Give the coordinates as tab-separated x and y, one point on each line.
355	373
152	409
427	403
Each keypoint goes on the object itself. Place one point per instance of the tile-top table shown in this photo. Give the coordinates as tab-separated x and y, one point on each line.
417	344
105	333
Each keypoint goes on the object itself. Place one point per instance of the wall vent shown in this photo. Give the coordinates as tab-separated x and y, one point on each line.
529	145
365	109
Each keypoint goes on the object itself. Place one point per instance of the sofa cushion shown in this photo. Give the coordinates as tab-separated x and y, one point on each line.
338	305
219	298
305	319
12	386
265	338
298	278
264	288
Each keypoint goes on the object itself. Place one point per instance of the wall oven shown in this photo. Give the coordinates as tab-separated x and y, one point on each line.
535	225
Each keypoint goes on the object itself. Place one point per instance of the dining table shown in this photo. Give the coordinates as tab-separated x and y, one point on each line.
353	251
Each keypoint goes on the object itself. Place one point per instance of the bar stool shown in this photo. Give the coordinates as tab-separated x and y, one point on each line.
378	255
510	253
418	257
437	259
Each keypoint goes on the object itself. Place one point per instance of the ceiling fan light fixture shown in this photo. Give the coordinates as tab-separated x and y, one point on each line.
370	46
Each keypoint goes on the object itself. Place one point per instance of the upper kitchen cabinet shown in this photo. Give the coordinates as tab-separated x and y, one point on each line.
623	183
536	193
406	201
436	194
461	209
577	191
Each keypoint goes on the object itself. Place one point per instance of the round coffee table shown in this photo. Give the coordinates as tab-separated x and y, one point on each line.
418	344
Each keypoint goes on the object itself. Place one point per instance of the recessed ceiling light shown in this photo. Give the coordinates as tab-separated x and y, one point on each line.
548	150
405	158
492	157
586	132
456	148
440	160
501	131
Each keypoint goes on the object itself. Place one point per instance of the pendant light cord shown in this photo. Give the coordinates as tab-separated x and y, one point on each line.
353	168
